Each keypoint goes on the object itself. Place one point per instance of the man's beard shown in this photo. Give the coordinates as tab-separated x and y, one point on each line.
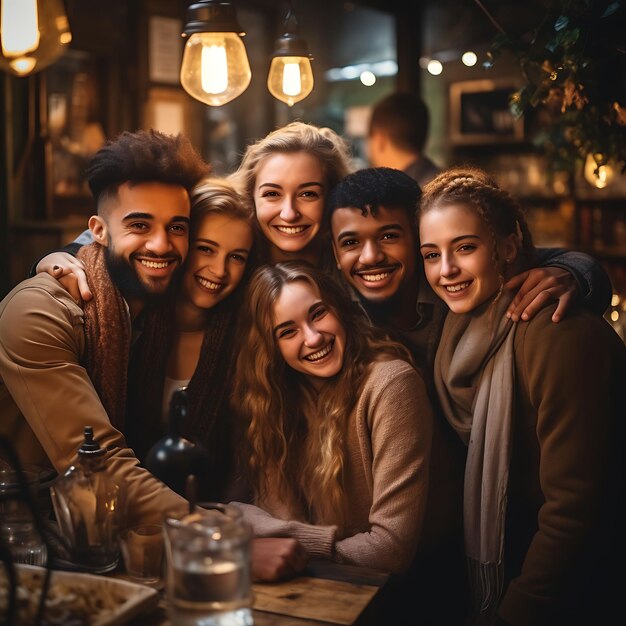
128	282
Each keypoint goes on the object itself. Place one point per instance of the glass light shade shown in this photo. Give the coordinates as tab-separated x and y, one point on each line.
215	67
33	34
290	78
604	174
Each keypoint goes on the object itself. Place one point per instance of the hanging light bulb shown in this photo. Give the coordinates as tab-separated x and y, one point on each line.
598	175
215	67
33	34
290	78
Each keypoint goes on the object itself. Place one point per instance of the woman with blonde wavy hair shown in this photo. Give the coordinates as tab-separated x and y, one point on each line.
339	424
287	176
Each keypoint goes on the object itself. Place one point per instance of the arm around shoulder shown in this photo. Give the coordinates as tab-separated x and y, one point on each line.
592	279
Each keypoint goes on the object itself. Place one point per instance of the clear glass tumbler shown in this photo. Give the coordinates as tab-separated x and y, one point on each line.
16	520
208	580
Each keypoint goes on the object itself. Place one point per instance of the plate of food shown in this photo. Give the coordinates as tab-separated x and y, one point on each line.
76	598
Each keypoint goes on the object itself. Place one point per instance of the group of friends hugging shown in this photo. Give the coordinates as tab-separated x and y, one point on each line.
381	374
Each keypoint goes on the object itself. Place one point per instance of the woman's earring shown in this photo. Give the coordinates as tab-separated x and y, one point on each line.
338	266
507	261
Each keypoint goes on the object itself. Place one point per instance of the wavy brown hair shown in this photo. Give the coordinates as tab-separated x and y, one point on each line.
296	435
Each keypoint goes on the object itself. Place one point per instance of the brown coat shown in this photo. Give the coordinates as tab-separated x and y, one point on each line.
567	480
47	398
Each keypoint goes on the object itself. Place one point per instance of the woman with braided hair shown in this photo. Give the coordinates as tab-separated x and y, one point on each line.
539	406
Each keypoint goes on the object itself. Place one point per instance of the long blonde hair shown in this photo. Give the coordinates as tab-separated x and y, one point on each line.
324	143
296	436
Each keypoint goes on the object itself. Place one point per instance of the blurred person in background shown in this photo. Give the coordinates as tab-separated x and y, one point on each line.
398	131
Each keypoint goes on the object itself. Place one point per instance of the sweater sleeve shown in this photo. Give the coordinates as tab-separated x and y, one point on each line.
396	415
558	361
593	281
317	540
40	367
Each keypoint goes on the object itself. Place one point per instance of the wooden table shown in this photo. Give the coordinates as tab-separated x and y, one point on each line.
325	593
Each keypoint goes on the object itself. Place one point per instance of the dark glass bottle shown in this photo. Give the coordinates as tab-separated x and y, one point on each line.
173	458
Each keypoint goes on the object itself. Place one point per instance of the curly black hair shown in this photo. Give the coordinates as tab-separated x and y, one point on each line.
372	187
144	156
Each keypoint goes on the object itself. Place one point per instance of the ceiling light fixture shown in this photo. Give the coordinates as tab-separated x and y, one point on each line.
33	34
290	78
215	67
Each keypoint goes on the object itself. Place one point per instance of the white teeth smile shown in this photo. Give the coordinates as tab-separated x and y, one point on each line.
374	278
291	230
459	287
316	356
155	265
207	284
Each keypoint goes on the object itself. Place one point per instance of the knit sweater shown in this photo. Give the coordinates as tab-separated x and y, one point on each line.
385	478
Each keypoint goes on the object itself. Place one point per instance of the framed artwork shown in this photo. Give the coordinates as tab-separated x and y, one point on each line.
75	117
167	110
480	114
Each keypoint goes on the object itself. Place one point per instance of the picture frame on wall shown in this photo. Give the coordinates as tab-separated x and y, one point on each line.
76	129
480	113
167	110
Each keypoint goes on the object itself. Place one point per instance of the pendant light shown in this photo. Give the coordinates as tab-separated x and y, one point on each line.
215	67
597	171
33	34
290	78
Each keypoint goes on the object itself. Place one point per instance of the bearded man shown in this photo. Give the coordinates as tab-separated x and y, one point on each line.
63	362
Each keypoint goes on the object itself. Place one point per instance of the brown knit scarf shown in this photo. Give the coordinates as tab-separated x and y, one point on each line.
107	334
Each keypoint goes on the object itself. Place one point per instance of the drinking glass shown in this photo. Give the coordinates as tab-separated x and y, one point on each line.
208	579
142	549
17	525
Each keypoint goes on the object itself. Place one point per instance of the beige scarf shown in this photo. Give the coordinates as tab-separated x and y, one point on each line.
107	334
474	376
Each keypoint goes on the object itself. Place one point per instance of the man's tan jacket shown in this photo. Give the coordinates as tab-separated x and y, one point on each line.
47	397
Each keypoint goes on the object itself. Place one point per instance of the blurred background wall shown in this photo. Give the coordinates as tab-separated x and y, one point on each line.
121	73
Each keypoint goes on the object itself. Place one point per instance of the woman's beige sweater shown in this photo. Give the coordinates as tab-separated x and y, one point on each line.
385	478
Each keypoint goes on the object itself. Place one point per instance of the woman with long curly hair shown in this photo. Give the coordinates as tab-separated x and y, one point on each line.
338	422
540	407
